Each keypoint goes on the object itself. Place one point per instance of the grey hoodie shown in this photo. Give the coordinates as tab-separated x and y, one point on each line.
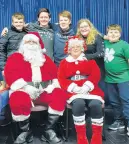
47	35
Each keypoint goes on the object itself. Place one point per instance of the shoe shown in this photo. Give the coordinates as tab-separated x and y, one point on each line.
118	124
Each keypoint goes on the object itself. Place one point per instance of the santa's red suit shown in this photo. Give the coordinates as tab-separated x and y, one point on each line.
19	73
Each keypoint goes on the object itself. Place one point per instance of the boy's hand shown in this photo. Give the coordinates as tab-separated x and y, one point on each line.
4	31
2	85
105	37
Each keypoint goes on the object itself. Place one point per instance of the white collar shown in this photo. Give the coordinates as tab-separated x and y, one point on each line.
80	58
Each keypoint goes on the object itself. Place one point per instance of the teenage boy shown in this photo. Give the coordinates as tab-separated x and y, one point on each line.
62	32
9	43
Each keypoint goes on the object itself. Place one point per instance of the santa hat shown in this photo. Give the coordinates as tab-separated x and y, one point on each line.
73	40
36	37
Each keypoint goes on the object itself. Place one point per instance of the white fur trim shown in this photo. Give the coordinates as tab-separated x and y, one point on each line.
71	86
80	120
89	84
20	117
36	74
29	37
49	88
71	42
98	122
85	96
18	84
52	111
55	83
80	58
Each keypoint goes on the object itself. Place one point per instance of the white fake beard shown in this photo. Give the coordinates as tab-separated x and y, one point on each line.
33	54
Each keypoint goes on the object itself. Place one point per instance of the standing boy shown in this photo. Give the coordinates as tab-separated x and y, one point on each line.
117	75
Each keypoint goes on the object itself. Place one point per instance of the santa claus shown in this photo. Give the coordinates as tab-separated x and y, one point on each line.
80	77
32	77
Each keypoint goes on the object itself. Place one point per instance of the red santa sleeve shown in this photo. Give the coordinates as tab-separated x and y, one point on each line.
65	83
94	75
13	72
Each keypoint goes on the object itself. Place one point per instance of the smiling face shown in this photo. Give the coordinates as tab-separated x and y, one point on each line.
64	22
113	35
43	19
18	23
75	50
84	28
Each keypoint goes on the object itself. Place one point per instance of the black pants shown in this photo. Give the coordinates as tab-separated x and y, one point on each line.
94	106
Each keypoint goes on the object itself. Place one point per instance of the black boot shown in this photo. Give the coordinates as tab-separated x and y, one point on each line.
25	133
49	134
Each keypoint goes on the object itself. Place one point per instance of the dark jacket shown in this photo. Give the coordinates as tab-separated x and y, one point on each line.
96	51
1	77
46	34
60	39
9	44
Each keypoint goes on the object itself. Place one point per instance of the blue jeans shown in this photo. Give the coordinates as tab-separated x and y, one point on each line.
4	98
102	85
119	99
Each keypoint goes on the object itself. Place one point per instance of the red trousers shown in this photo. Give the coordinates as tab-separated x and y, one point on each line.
21	103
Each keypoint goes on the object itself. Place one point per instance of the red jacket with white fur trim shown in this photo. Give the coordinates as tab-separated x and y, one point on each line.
70	68
19	72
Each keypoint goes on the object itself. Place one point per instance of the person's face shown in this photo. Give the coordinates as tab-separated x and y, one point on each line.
84	29
64	22
18	23
43	19
31	45
113	35
75	50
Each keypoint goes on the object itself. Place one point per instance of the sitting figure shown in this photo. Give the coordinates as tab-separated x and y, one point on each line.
32	77
80	77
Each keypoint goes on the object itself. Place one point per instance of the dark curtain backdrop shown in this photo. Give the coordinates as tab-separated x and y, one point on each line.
100	12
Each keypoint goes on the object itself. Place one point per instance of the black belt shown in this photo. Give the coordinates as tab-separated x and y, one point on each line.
38	84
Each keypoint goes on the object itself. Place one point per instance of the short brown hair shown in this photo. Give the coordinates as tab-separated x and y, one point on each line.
66	13
18	16
114	27
44	10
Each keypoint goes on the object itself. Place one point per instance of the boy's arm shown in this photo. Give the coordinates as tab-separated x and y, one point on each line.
3	51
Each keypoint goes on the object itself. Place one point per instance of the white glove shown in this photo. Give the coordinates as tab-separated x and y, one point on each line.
77	89
49	88
84	89
32	91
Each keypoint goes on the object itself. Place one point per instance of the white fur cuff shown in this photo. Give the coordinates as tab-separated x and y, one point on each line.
20	117
55	83
52	111
71	87
89	84
18	84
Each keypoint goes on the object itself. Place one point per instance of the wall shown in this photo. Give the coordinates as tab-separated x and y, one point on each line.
100	12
